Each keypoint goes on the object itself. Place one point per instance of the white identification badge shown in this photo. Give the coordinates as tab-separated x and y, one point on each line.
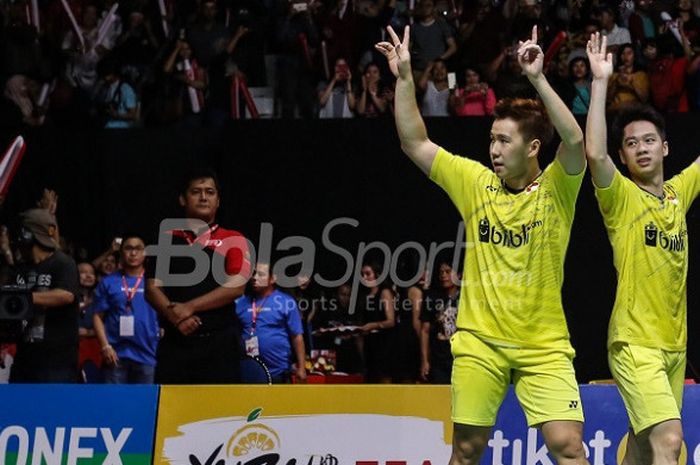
126	325
251	347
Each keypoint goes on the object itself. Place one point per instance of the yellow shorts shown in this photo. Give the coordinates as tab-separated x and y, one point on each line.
650	382
544	380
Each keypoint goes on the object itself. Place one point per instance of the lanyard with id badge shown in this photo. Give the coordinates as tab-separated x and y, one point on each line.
252	347
126	322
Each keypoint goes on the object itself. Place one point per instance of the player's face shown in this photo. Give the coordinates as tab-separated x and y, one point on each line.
201	201
261	277
509	152
133	252
643	149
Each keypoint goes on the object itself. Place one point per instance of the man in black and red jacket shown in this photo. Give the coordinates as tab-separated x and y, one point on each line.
200	344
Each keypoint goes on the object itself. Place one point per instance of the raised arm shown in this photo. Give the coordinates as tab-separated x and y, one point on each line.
602	166
409	124
571	151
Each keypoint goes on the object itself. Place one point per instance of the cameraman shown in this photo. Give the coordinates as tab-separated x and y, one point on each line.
48	351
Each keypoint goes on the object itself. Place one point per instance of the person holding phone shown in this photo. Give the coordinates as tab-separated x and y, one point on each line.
335	98
476	98
434	85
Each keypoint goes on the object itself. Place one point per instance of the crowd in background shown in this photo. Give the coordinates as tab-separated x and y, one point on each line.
384	333
193	63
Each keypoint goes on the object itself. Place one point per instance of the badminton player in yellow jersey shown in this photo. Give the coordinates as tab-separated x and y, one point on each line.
645	219
510	321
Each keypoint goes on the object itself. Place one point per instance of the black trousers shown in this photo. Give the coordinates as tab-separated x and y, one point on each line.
209	358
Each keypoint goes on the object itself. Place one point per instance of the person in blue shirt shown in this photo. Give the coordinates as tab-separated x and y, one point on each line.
125	323
272	328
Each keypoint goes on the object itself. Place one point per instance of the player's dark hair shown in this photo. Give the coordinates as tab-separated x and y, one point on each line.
630	114
531	116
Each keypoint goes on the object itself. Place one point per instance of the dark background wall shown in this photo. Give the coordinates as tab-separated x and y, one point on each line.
298	175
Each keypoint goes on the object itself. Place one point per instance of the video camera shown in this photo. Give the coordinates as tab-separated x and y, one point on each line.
16	311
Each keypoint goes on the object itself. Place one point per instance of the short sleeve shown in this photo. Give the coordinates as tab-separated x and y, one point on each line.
100	302
613	200
457	176
686	185
293	319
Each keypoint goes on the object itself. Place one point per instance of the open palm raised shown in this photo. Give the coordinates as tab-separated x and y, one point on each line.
601	61
397	53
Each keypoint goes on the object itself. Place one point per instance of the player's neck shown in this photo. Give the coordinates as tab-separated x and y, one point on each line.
519	183
654	184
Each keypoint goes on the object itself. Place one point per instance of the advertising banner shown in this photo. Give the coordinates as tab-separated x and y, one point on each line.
64	424
370	425
310	425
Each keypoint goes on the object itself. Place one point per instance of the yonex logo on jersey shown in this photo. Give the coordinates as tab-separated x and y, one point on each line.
492	188
573	404
507	238
654	237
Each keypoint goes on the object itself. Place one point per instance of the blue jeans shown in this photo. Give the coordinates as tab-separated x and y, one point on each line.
129	372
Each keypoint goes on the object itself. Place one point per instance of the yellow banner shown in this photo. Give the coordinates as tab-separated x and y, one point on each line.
309	425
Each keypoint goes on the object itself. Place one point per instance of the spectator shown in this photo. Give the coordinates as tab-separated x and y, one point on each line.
379	315
347	344
336	98
207	37
106	262
339	31
434	87
200	343
49	351
221	70
667	72
272	328
23	93
136	48
615	34
118	100
580	80
475	99
439	320
641	25
296	35
125	324
373	101
689	22
431	38
481	36
81	68
87	279
186	86
629	85
88	347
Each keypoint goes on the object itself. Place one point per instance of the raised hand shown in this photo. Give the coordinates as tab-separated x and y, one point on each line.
397	53
601	61
530	56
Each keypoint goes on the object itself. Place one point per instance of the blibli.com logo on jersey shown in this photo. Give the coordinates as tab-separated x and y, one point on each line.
507	238
654	237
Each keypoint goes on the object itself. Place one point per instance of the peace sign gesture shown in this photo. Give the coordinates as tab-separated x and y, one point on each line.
397	53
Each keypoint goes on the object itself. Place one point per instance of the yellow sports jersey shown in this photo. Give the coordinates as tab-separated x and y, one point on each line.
516	244
649	239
